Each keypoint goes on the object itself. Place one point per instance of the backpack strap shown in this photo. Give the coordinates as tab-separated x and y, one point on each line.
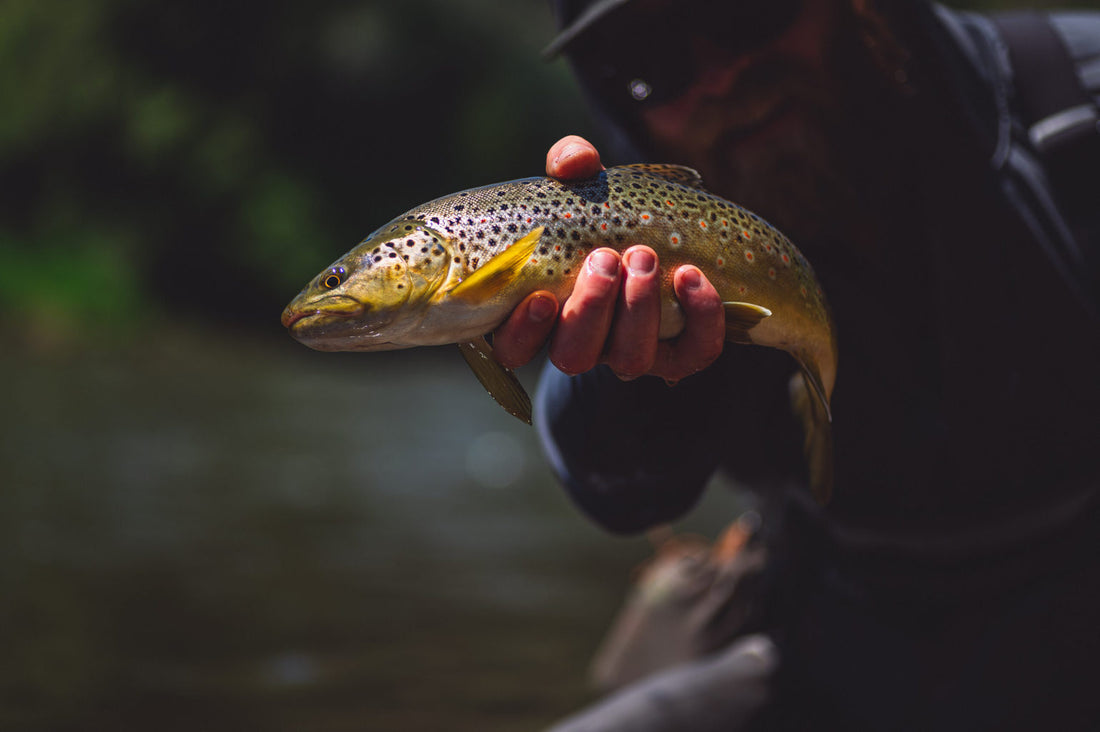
1063	127
1062	117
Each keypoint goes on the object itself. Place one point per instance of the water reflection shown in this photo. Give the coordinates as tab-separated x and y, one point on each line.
208	533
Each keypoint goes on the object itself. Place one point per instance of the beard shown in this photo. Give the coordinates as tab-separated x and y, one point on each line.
775	144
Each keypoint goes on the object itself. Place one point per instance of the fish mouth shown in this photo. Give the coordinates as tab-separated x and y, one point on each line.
295	317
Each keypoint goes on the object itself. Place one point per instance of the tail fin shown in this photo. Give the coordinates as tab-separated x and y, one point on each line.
813	411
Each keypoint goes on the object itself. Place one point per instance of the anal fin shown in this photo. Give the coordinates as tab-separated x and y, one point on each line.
742	317
501	382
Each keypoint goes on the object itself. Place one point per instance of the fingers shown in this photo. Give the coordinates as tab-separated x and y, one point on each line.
632	347
704	332
573	158
586	316
613	317
520	337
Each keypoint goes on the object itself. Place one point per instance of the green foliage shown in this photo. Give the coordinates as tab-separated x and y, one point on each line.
203	158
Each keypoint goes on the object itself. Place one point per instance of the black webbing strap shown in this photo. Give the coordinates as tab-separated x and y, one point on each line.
1063	118
1063	123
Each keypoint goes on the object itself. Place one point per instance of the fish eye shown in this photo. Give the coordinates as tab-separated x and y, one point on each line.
334	278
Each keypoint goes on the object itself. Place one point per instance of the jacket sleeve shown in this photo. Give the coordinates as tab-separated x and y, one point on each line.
636	454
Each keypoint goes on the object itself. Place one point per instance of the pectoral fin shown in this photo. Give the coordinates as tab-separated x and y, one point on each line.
741	317
500	382
493	276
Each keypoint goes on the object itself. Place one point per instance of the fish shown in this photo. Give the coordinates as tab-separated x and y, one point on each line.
450	271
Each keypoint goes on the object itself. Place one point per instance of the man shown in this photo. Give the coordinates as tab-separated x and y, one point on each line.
953	581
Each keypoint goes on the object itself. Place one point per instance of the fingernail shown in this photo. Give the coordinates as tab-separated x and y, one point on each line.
541	309
603	263
692	278
567	152
641	261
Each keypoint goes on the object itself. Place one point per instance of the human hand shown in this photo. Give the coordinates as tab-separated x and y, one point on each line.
613	314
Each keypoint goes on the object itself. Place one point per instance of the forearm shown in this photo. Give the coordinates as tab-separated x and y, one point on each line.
639	453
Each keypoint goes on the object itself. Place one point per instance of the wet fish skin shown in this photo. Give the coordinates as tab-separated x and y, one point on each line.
451	270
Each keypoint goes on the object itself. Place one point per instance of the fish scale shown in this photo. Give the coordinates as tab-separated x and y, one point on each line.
452	269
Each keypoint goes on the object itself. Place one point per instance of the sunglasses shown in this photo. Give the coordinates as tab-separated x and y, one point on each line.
648	58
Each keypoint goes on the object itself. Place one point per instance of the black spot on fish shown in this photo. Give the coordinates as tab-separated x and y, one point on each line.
512	228
459	206
435	219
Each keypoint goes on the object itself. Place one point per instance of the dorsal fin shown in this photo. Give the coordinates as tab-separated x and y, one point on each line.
676	173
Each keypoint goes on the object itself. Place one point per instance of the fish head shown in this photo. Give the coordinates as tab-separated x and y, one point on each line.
374	296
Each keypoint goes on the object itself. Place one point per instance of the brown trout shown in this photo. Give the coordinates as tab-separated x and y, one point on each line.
451	271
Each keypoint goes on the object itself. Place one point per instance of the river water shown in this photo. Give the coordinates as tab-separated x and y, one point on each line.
221	533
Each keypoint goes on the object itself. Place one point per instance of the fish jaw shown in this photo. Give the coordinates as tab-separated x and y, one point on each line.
339	323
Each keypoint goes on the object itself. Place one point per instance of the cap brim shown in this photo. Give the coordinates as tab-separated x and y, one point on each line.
581	25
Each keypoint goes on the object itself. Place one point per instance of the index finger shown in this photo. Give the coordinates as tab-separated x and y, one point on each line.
573	158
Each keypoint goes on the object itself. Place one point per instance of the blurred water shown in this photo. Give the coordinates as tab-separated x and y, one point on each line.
199	532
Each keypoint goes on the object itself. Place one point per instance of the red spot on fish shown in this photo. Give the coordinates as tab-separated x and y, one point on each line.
771	272
528	219
670	203
746	234
603	226
484	221
568	215
702	224
749	256
786	259
607	204
741	289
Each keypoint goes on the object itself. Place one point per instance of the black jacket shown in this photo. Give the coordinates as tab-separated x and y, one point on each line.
966	412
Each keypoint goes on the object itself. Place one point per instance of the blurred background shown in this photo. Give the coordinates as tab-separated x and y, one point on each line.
204	525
